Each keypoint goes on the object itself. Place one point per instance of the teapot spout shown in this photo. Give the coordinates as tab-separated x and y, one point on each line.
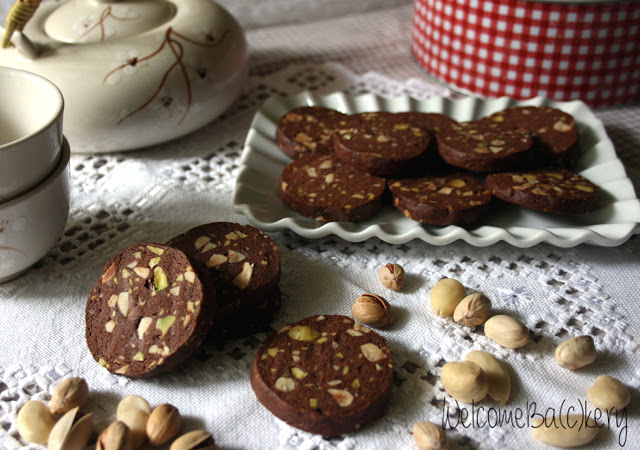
19	14
25	46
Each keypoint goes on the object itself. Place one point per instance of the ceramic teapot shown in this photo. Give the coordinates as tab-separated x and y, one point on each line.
133	73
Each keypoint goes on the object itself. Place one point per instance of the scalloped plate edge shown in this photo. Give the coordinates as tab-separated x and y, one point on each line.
460	109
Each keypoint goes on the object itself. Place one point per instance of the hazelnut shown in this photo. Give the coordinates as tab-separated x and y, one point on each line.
392	276
465	381
445	296
372	310
429	436
472	310
35	421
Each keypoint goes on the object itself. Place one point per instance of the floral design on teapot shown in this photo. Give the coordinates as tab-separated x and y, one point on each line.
174	42
87	24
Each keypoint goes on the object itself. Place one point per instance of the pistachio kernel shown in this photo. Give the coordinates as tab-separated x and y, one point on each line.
302	333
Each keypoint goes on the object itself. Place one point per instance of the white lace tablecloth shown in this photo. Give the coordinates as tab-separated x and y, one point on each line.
156	193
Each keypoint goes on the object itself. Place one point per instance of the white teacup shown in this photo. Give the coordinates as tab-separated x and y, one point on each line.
31	224
31	110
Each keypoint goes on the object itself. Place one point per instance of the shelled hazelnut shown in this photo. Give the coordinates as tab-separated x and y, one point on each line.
392	276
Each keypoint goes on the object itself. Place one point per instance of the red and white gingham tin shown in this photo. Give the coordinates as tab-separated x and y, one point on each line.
520	48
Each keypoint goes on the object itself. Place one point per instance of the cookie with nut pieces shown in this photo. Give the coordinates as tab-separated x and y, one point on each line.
147	312
381	143
243	265
555	134
322	187
483	146
327	375
457	199
307	129
555	190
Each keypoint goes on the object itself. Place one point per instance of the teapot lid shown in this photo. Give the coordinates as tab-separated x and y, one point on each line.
95	21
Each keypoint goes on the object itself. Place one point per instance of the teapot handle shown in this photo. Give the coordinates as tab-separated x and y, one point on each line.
17	18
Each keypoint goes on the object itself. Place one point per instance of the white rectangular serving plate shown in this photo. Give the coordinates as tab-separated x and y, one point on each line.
614	220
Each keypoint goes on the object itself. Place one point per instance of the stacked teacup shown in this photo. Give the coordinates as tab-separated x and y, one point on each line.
34	170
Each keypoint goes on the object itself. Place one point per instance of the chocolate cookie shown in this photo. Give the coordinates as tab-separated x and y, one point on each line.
559	191
441	200
483	146
380	143
324	188
148	311
324	374
555	134
243	264
307	129
432	122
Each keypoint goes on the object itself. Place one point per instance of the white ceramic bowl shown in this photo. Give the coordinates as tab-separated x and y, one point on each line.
31	110
31	224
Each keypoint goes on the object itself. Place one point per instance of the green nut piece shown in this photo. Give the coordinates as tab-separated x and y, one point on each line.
164	323
302	333
160	278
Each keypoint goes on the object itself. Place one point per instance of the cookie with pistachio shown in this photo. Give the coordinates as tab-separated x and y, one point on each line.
147	312
555	134
559	191
483	146
433	123
322	187
456	199
327	375
243	265
381	143
307	129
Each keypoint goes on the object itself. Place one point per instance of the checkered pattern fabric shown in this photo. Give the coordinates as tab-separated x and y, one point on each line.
522	49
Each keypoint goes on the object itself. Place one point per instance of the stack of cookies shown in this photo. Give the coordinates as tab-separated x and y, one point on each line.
436	170
155	304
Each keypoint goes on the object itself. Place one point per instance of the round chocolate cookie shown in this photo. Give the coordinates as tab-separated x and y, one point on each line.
558	190
380	143
483	146
555	134
307	129
322	187
243	264
326	375
433	122
148	311
457	199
